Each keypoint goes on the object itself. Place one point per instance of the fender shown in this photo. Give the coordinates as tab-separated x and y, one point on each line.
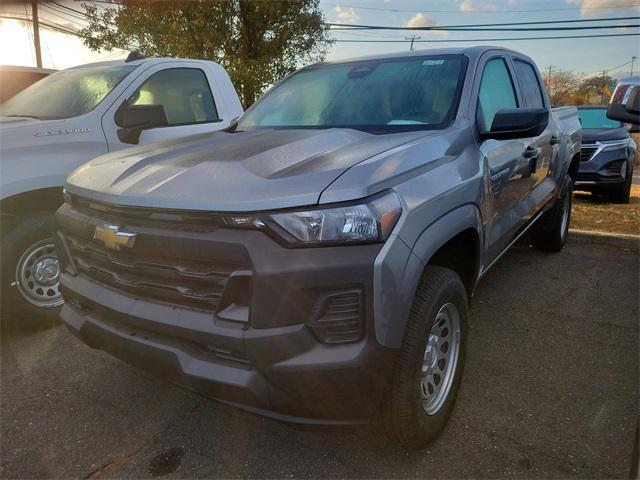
398	269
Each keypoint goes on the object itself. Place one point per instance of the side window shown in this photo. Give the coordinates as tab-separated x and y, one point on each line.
496	92
529	83
184	93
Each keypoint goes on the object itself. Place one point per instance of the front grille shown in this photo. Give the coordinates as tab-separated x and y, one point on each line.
169	262
586	153
181	282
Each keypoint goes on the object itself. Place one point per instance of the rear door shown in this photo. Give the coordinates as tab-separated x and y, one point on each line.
505	161
543	149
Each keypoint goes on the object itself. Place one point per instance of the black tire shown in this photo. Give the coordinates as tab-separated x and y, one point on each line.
404	417
622	194
551	230
32	232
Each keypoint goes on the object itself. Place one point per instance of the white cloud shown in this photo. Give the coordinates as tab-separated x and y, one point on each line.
346	15
468	6
597	8
422	20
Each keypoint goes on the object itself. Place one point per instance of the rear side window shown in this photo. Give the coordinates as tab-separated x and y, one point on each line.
496	92
530	84
183	92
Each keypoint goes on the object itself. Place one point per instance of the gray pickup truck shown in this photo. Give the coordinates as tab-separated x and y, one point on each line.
314	262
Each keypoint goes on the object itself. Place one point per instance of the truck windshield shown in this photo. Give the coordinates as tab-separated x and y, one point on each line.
596	118
373	95
67	93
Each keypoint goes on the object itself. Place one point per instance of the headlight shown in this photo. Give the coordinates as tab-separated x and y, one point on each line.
367	222
615	145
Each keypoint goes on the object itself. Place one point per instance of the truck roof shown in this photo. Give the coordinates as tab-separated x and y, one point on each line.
148	61
471	52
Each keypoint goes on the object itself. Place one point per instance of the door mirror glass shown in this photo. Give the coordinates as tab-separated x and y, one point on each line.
135	118
510	123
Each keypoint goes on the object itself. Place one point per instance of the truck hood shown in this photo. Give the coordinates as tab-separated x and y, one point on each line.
254	170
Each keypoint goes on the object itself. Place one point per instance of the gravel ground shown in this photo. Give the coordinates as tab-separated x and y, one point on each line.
550	390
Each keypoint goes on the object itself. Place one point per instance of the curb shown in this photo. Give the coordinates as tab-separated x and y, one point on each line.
611	239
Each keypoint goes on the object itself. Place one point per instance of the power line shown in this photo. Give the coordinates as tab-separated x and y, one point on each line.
618	66
54	26
488	29
83	14
50	11
492	39
399	10
470	27
507	24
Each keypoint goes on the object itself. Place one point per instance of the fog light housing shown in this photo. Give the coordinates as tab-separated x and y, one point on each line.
337	317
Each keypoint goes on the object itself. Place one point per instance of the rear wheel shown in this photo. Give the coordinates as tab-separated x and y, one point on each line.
428	371
552	229
30	270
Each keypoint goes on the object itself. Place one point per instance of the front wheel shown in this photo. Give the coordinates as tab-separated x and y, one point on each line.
552	229
429	368
623	193
30	270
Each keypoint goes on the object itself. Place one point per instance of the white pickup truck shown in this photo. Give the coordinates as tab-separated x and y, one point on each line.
67	119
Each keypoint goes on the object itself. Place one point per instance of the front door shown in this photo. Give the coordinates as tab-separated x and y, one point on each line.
507	162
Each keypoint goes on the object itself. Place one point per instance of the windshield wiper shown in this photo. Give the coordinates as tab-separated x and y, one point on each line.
24	116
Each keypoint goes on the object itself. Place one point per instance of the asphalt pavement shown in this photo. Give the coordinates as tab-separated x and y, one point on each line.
550	391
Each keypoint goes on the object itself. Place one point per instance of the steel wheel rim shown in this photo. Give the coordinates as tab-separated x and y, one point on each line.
440	359
38	275
565	215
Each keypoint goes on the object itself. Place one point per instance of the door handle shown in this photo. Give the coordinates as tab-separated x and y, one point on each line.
531	152
554	140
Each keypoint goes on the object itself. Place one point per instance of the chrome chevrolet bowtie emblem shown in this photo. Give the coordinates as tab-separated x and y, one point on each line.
113	238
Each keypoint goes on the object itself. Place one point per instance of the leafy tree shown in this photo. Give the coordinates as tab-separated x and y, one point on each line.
257	42
595	90
562	87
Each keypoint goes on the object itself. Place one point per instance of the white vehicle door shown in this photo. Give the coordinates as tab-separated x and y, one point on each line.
187	93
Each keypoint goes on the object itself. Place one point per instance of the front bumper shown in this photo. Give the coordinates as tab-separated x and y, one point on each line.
604	169
273	361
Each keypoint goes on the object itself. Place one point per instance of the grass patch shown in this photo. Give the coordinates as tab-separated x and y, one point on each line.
597	213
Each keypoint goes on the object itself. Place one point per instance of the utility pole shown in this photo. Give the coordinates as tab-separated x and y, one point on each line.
604	77
413	38
36	32
633	60
549	80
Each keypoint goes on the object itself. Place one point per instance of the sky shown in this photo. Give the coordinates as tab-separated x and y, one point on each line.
584	56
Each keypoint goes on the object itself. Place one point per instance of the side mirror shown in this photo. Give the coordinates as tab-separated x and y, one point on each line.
135	118
628	112
511	123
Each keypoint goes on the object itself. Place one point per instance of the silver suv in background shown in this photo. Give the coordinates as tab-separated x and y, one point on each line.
314	262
